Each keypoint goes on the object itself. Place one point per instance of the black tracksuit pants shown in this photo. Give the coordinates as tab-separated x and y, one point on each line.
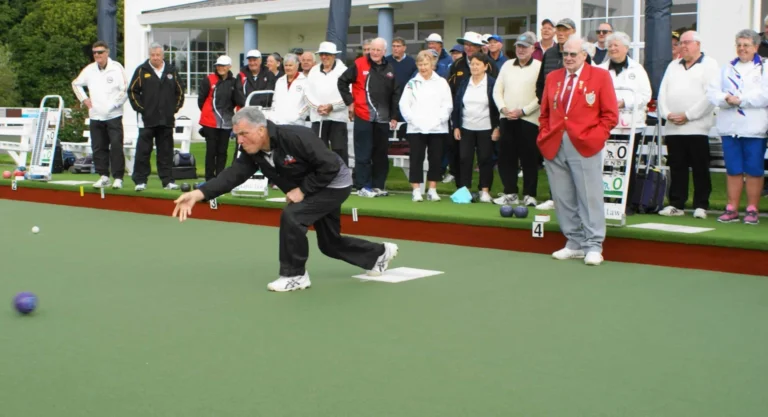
322	210
430	144
335	136
163	139
216	145
480	141
107	146
683	152
518	144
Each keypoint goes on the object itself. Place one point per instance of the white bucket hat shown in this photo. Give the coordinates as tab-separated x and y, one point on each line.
327	48
471	37
223	60
434	37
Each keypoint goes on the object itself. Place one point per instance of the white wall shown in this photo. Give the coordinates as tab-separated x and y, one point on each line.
555	10
718	25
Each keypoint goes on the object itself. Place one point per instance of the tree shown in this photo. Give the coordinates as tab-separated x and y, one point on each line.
9	95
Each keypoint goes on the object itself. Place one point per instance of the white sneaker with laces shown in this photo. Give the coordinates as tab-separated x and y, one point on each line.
593	258
671	211
118	184
380	193
366	192
103	182
448	178
506	199
432	195
530	201
547	205
171	186
417	196
286	284
485	197
382	263
566	253
700	213
140	187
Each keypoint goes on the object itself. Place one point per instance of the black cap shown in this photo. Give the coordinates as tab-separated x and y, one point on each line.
297	51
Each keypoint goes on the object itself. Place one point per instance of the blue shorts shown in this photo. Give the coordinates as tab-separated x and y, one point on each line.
744	155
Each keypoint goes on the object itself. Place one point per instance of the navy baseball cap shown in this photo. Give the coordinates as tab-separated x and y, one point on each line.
457	48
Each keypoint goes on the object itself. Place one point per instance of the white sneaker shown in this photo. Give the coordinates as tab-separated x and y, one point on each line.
286	284
448	178
366	192
671	211
417	196
380	193
700	213
103	182
547	205
531	202
140	187
506	199
432	195
566	253
485	197
118	184
520	174
171	186
593	258
382	263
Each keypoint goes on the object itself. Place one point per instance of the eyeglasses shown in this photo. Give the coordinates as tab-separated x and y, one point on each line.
570	54
99	52
603	32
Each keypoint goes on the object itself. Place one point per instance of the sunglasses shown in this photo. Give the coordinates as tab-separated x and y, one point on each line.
603	32
99	52
570	54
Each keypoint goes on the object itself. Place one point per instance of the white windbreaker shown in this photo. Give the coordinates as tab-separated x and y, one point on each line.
322	88
426	105
634	77
289	106
750	119
107	89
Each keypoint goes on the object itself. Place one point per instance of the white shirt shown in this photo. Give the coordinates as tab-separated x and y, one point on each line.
322	88
749	82
477	112
108	89
159	71
426	104
289	104
684	90
573	86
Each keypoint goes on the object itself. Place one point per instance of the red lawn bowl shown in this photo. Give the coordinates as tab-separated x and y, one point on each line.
6	174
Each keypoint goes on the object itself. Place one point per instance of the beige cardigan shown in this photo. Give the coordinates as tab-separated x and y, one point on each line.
516	89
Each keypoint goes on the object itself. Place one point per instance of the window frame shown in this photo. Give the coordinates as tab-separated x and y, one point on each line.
531	26
358	47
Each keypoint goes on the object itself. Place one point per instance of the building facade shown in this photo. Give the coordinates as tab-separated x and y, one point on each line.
195	33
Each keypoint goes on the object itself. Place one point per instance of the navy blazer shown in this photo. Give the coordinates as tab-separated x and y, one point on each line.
458	103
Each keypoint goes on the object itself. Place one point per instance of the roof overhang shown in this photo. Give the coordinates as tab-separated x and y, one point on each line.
261	8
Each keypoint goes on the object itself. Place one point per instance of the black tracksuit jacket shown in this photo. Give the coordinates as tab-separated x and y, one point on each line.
156	99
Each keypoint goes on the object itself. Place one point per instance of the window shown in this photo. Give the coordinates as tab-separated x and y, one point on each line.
620	14
414	34
193	52
508	28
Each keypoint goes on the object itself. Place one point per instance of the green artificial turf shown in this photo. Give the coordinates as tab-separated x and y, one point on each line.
397	180
399	205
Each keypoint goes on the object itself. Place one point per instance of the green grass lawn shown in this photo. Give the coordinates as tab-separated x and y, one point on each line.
397	180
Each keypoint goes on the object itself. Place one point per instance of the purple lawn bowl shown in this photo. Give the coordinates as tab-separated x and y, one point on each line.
25	302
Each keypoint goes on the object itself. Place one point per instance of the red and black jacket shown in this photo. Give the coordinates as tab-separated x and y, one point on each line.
375	92
217	98
265	81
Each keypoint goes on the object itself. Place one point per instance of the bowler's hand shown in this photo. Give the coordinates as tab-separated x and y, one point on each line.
732	100
515	114
294	196
621	104
352	112
185	203
457	134
495	135
393	124
88	103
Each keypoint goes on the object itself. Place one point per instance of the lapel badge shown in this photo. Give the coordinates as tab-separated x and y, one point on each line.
590	97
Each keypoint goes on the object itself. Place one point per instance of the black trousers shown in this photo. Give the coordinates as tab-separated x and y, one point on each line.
163	139
371	154
480	141
216	146
334	136
518	144
689	151
322	210
432	145
107	146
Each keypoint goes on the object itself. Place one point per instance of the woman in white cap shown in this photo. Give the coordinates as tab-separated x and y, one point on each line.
626	72
444	59
327	111
426	106
289	105
217	97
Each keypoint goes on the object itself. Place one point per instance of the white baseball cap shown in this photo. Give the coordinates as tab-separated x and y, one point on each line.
434	37
223	60
327	48
253	53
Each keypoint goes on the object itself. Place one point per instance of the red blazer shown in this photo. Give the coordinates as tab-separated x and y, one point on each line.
594	112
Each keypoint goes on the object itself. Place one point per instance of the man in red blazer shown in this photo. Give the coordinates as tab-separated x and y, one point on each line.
578	111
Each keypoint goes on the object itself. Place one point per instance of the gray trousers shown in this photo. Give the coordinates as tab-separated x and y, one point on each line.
577	188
